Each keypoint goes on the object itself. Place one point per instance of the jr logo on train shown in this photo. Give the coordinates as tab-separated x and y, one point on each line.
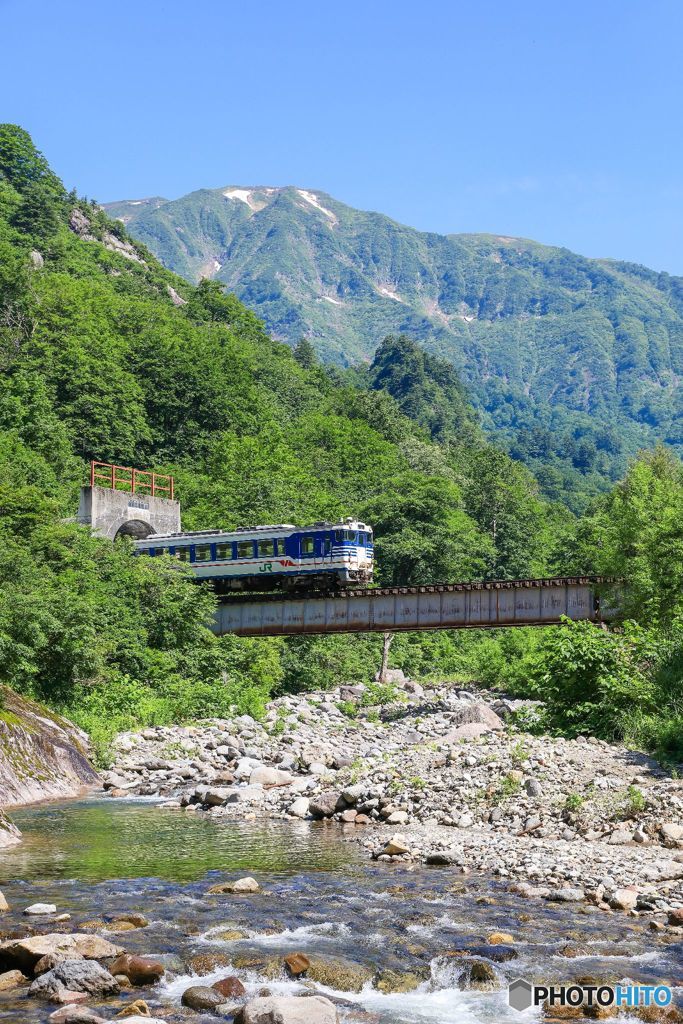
324	556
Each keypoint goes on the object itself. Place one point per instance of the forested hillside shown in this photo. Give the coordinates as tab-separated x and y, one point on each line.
106	354
575	363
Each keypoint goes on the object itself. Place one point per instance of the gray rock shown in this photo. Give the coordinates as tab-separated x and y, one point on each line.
269	776
394	676
325	805
25	953
41	908
245	795
299	808
288	1010
672	832
442	858
74	1014
469	731
476	711
76	976
214	797
567	895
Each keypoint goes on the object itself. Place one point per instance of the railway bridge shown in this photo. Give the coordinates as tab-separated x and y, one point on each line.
491	605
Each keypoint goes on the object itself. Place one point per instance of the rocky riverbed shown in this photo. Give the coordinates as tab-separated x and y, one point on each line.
312	933
437	774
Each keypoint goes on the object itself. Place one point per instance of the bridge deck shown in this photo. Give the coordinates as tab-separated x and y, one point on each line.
445	606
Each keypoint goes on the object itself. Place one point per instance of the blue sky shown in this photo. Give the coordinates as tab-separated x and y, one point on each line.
560	122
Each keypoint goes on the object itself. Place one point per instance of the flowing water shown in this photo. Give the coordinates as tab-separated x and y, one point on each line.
96	858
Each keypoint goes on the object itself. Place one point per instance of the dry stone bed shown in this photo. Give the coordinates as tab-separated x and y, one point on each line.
438	774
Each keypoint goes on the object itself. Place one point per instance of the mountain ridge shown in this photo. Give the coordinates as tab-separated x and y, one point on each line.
543	337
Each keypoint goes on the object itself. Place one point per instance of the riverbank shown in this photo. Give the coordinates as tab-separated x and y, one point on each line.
435	774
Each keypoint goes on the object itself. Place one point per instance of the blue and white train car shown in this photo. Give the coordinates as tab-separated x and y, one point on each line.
261	558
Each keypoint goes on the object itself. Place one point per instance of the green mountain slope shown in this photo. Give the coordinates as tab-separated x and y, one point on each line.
545	339
106	354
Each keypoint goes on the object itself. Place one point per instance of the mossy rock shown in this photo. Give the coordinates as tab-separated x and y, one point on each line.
342	975
269	967
398	981
480	976
204	963
96	925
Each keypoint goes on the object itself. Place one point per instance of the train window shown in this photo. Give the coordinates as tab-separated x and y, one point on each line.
307	546
281	546
223	552
361	540
183	554
266	548
349	535
327	546
202	552
338	535
245	549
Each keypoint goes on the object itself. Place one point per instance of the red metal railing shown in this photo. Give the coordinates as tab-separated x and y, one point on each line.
126	478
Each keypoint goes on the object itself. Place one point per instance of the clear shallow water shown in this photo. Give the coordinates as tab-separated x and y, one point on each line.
95	840
98	858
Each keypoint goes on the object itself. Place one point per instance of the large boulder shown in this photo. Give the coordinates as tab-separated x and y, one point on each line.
76	976
41	756
24	954
201	997
288	1010
325	805
342	975
476	711
138	969
230	987
270	776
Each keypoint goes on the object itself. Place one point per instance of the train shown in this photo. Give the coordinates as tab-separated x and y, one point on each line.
324	556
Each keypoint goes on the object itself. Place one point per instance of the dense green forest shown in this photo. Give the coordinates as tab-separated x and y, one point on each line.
105	354
573	363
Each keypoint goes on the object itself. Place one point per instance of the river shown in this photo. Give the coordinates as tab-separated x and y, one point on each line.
96	858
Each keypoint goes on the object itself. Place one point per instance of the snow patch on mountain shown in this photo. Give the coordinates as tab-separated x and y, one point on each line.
389	293
243	194
311	198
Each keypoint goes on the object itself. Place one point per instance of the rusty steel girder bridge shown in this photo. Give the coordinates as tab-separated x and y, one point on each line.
491	605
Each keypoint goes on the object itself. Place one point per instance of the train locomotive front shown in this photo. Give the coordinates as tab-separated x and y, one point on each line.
323	556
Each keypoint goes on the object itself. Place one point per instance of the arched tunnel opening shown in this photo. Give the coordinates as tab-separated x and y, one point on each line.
135	528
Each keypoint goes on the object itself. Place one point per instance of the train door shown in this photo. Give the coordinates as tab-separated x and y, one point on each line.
323	551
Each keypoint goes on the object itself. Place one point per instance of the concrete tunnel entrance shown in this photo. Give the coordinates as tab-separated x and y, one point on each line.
134	528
